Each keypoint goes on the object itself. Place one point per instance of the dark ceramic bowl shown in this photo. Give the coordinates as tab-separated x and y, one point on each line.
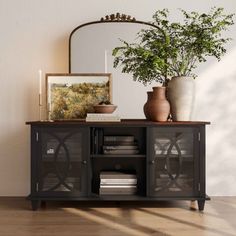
104	108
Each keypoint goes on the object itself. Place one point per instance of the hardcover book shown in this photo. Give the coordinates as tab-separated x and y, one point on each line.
116	175
118	181
118	147
125	138
122	151
118	190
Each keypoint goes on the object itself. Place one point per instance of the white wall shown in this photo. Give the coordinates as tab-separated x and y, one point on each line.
34	34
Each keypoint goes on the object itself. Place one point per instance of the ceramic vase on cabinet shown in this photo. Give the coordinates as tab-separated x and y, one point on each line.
181	94
146	105
157	108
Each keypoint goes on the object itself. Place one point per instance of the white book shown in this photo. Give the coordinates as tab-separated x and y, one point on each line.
117	191
96	120
121	151
119	186
101	115
117	138
120	147
116	175
103	119
119	181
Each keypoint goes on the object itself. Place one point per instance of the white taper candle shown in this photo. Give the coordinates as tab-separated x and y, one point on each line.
40	81
105	57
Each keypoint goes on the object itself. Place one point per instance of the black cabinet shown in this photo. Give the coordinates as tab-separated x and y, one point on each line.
68	157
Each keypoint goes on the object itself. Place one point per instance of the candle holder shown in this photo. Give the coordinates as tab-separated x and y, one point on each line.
40	95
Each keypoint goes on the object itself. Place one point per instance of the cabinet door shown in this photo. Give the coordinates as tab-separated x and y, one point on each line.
62	161
173	161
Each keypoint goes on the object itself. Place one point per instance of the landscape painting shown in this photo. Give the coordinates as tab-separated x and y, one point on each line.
72	96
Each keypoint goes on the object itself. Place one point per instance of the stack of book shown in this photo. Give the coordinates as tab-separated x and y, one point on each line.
120	145
102	117
117	183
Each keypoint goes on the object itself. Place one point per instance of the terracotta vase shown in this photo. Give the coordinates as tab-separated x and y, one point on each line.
146	105
181	94
158	108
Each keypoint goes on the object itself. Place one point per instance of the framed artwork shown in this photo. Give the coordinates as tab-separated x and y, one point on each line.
72	96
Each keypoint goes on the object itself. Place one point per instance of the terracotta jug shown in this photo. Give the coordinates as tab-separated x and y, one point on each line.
159	107
146	105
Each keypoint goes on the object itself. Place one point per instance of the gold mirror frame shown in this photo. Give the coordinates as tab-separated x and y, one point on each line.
109	19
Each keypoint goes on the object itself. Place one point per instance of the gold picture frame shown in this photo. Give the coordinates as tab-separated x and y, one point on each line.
72	96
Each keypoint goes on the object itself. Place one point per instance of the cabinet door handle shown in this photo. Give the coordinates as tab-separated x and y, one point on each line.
84	162
152	162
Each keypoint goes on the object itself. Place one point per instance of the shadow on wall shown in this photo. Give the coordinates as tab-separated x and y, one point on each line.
215	102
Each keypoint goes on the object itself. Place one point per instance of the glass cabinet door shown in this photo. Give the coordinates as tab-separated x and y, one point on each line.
172	161
62	164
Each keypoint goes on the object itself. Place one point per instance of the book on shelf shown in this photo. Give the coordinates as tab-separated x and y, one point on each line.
121	138
120	143
102	117
118	181
96	140
121	151
118	190
116	175
101	114
113	187
118	147
115	119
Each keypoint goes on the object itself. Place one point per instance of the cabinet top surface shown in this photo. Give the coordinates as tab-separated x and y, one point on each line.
138	122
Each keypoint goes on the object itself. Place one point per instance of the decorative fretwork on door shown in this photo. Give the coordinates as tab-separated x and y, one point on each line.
61	161
172	160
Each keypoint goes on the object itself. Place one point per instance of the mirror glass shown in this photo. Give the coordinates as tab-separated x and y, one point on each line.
91	52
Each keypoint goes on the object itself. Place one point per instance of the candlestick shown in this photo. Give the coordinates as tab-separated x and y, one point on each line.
40	107
40	95
105	58
40	81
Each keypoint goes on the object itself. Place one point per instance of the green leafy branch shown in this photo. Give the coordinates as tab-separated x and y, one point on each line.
174	49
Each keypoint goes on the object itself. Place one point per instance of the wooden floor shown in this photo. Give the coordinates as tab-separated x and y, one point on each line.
108	219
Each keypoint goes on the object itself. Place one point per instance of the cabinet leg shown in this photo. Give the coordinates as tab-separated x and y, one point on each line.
201	204
193	204
117	203
35	204
43	204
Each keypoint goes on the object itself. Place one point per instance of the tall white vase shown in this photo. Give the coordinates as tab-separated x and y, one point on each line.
181	95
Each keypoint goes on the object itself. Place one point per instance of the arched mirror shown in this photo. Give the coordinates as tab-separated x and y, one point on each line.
90	51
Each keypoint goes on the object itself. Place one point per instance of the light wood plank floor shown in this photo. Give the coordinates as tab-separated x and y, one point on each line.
108	219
